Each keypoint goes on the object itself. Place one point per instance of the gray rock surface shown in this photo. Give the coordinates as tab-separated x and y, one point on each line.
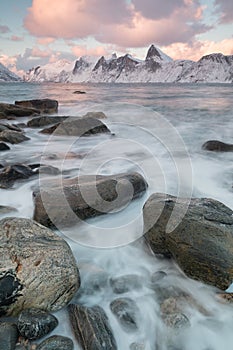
202	243
37	268
8	336
39	122
13	137
8	111
56	342
45	105
101	193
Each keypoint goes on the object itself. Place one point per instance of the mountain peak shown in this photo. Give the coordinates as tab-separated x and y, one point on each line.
156	54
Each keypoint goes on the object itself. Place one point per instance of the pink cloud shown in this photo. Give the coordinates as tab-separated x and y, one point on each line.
45	41
37	53
16	38
225	10
10	62
83	51
117	22
198	49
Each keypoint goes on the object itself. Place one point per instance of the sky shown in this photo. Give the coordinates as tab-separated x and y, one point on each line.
37	32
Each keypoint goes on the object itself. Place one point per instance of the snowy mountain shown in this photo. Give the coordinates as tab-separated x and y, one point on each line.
157	67
7	75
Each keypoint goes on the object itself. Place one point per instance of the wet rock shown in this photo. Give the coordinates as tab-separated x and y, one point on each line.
127	313
13	137
101	197
4	209
9	110
217	146
35	323
4	147
225	297
176	320
6	126
43	105
79	92
98	115
201	243
8	336
91	327
39	122
78	127
56	342
37	268
125	283
11	173
44	169
156	278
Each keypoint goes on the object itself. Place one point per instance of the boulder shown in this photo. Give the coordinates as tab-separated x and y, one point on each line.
11	173
78	127
8	336
8	110
35	323
101	191
98	115
91	327
13	137
43	105
4	147
126	312
37	268
39	122
217	146
56	342
201	244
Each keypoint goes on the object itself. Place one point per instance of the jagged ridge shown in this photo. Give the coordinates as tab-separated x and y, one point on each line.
6	75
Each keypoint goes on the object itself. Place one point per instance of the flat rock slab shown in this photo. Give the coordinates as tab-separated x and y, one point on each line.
217	146
13	137
39	122
37	268
202	243
91	327
78	127
43	105
10	110
86	197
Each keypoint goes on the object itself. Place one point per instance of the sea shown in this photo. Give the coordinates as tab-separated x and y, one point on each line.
157	130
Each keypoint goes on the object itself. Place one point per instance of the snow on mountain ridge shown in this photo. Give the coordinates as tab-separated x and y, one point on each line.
157	67
7	75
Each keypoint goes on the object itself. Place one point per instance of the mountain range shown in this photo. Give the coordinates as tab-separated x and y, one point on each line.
156	67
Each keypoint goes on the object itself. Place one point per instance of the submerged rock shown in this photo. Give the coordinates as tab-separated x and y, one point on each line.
35	323
125	283
8	336
202	242
56	342
78	127
101	197
39	122
13	137
37	268
126	311
8	110
91	327
176	320
137	346
4	209
217	146
43	105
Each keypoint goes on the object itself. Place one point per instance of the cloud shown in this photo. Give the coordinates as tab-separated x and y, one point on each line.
225	10
10	62
194	51
16	38
123	23
82	50
45	41
4	29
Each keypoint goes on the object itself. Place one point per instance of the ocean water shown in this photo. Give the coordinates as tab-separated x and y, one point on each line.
158	131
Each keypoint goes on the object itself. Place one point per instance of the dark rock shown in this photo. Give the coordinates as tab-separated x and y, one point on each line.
13	137
127	313
4	209
217	146
35	323
43	105
9	110
8	336
6	126
37	268
91	327
157	277
125	283
79	92
201	243
11	173
56	342
4	147
39	122
44	169
51	210
78	127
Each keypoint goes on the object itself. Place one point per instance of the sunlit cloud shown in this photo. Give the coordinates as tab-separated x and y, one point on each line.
45	41
16	38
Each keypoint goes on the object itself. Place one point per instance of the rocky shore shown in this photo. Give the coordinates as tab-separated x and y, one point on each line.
39	273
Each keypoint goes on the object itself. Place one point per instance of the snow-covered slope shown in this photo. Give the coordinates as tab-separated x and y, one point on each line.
7	75
157	67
